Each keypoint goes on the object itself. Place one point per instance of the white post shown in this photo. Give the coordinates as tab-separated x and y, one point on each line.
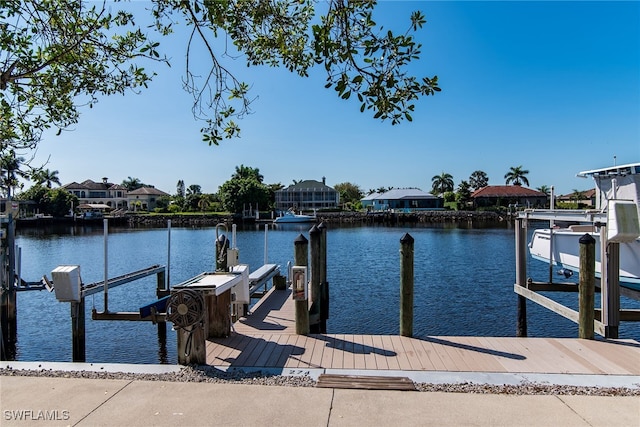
552	205
266	255
106	266
167	278
233	235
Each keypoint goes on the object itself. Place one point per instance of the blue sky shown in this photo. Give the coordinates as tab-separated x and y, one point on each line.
553	87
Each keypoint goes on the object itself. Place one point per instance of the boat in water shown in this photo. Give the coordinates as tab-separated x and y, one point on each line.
615	216
291	217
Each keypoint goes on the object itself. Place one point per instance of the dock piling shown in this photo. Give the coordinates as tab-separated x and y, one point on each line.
78	331
521	276
406	285
315	237
324	285
587	287
301	248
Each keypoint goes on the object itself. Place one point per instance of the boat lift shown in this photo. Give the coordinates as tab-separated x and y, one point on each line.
607	318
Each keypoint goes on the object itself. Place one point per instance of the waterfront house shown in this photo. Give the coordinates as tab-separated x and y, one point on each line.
307	195
103	193
115	196
144	198
402	200
584	199
515	196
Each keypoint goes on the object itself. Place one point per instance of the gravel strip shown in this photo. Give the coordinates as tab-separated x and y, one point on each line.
210	374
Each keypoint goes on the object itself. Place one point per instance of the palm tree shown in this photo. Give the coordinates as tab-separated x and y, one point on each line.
516	175
544	189
132	184
577	195
442	183
10	165
204	202
45	177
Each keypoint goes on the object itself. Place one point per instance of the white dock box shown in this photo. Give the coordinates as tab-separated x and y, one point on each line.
622	221
241	290
67	282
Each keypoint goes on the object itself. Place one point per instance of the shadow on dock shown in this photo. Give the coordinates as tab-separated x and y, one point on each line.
468	347
353	347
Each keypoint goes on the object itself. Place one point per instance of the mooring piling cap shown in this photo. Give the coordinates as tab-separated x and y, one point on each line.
587	239
406	238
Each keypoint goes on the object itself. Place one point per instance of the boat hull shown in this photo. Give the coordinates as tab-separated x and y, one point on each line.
290	218
566	253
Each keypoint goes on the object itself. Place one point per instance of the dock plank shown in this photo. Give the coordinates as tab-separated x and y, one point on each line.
379	352
392	360
267	338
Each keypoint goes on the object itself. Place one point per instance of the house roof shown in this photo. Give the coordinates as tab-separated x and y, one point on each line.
147	191
308	184
401	194
588	194
506	191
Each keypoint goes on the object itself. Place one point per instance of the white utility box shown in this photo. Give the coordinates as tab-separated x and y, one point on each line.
623	224
67	283
241	290
232	257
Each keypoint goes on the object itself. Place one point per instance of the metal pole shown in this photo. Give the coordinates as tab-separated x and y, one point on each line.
168	277
552	205
266	254
105	223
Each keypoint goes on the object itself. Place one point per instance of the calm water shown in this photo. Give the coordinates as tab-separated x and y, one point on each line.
463	284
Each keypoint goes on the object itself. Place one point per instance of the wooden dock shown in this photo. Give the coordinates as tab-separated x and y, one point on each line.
267	339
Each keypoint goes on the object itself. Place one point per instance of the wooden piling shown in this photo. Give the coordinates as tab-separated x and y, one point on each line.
521	276
301	247
406	285
218	308
78	331
610	289
218	318
586	286
8	300
315	236
192	346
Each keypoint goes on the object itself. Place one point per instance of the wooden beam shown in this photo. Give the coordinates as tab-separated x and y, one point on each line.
547	303
627	315
556	307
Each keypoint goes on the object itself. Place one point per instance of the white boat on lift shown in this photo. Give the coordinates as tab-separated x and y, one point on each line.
616	216
292	217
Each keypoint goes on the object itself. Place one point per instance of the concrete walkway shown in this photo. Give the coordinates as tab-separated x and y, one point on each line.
42	401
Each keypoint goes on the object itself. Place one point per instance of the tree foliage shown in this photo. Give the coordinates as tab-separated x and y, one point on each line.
11	169
361	59
45	177
57	55
349	192
55	202
442	183
478	179
132	183
237	194
517	176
